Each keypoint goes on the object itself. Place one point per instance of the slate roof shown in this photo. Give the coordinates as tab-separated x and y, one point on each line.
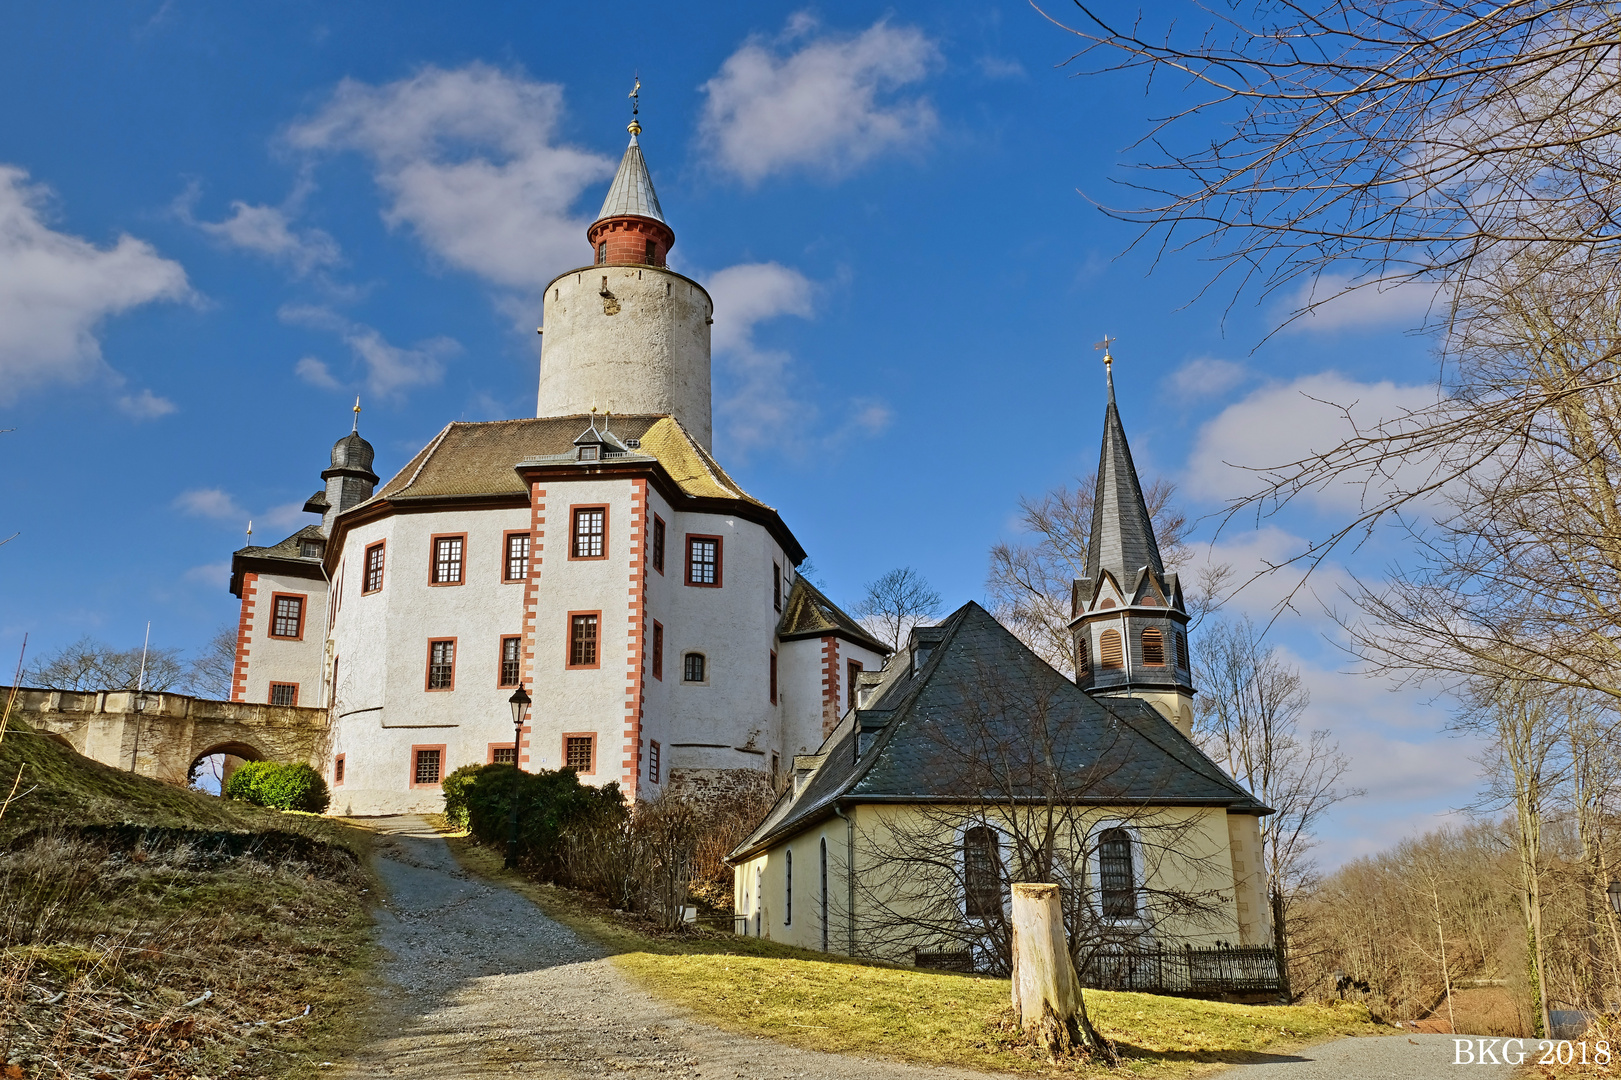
1122	540
981	686
284	557
631	193
807	613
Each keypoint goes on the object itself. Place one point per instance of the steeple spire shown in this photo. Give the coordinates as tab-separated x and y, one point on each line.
631	227
1122	540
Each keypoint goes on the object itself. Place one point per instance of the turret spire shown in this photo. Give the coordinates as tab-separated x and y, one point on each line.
631	227
1122	540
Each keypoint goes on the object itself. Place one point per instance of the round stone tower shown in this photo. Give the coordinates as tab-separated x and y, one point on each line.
626	334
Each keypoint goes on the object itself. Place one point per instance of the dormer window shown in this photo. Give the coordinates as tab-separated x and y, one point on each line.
920	656
588	453
311	549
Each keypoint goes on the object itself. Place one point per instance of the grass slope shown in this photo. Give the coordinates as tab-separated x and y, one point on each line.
821	1002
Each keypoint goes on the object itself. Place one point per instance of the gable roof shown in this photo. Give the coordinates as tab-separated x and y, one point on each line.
981	686
807	613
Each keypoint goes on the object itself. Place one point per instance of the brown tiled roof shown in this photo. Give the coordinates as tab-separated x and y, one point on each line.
807	613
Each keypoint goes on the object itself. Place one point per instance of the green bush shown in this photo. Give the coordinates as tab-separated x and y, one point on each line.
455	788
279	786
550	803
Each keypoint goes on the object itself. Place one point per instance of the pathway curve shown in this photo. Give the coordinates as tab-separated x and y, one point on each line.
480	982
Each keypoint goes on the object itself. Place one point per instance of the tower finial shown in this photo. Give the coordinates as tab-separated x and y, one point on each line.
1108	363
635	106
355	428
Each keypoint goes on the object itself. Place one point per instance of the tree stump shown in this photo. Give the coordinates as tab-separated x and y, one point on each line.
1046	992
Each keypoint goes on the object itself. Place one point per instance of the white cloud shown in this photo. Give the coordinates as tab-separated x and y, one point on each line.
1284	422
56	289
214	574
1205	377
390	369
1000	67
751	293
827	107
146	405
1371	306
316	373
210	503
285	516
267	231
471	163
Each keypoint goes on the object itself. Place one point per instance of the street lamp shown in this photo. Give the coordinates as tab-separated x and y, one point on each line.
520	705
1615	896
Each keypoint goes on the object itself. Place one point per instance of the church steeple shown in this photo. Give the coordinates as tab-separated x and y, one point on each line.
631	227
1122	540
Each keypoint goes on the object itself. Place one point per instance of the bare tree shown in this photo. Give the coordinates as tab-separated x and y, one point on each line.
896	602
1028	584
1249	714
88	664
213	670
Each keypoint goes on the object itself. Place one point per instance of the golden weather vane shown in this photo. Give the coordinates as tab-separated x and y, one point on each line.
636	105
1104	345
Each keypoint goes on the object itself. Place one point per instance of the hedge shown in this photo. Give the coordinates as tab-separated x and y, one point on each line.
282	787
550	802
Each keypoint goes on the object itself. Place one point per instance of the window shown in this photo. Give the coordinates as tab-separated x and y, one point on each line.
658	651
776	587
788	888
503	754
1109	650
851	671
1107	603
653	761
337	770
427	765
511	661
703	561
1083	654
1153	647
1115	874
652	253
515	567
658	543
982	872
602	252
1182	660
692	667
824	894
283	693
447	560
442	664
374	568
588	452
776	768
580	752
582	639
590	533
311	549
773	678
287	616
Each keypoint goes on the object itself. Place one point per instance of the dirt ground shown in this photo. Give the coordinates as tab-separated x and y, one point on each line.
479	982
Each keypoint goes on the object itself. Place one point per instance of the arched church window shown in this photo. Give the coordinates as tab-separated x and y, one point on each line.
981	872
1110	655
1153	647
1117	878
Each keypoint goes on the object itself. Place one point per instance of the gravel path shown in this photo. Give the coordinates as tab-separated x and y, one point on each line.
480	983
1390	1057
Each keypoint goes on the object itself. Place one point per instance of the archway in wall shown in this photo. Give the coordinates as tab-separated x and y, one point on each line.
213	767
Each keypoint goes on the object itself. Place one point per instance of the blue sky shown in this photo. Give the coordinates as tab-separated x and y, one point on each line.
219	223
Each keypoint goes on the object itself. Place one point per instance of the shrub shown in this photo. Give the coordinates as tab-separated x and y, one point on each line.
549	803
279	786
455	788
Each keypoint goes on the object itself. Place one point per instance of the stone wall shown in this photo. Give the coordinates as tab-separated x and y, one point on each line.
173	730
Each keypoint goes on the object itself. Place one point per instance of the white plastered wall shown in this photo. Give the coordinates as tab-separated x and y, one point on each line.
279	659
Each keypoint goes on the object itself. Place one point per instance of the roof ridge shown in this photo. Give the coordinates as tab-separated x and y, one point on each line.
427	456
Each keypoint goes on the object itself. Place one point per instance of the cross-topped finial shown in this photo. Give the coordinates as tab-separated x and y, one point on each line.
636	105
355	429
1104	345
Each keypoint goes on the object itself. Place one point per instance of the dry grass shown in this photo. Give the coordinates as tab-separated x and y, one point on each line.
108	934
821	1002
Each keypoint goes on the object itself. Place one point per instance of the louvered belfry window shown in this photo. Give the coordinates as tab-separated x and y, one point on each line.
1116	877
982	872
1110	656
1153	647
1083	654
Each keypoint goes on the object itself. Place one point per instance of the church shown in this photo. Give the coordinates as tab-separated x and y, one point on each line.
597	556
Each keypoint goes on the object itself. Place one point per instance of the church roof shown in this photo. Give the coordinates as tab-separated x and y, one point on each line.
982	687
632	193
1122	540
807	613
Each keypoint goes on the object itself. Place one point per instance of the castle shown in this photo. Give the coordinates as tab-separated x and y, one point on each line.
602	561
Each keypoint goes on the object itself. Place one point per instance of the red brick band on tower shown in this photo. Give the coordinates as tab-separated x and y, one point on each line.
627	240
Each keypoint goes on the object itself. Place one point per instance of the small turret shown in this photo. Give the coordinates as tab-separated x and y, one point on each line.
349	482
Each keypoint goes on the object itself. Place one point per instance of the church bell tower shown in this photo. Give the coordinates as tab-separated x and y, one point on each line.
626	334
1129	617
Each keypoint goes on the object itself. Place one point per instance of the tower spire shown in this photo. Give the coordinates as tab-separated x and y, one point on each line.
1122	540
631	228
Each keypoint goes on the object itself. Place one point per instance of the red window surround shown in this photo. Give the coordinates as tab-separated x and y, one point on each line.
447	558
773	678
705	562
653	761
376	555
583	642
427	765
588	531
337	770
515	549
287	613
580	751
658	650
441	655
658	543
284	693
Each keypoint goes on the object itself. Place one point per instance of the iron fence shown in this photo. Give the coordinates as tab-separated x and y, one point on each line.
1223	970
